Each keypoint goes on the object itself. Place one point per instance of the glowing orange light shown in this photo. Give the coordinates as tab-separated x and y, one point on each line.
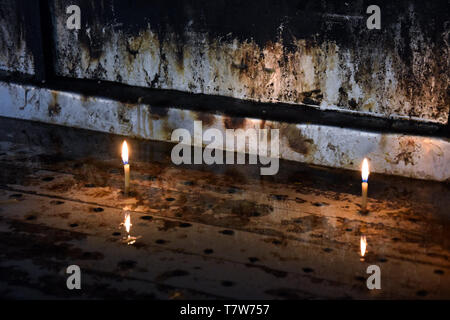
363	245
127	222
125	152
365	170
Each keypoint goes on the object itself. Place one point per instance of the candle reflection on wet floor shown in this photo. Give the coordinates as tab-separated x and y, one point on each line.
129	239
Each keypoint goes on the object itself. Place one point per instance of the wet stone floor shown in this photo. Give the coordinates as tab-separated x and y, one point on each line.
207	232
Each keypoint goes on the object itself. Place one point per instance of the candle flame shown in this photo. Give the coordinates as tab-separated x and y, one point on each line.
365	170
363	245
127	222
125	152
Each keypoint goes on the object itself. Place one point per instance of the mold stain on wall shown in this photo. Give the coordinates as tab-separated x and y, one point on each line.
305	58
16	38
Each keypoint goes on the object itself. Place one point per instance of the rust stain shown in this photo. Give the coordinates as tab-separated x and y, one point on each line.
133	46
233	122
408	147
207	119
296	140
54	108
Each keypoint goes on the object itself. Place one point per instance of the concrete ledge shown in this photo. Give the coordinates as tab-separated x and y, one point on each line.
390	153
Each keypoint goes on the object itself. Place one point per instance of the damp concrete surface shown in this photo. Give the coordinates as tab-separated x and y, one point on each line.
207	232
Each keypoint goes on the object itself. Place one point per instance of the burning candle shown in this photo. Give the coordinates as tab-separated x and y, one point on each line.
365	184
126	167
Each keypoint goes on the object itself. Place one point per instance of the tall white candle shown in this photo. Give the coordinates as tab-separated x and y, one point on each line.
365	184
126	167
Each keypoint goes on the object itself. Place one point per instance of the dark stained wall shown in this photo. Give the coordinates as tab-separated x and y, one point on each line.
20	37
318	53
304	52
